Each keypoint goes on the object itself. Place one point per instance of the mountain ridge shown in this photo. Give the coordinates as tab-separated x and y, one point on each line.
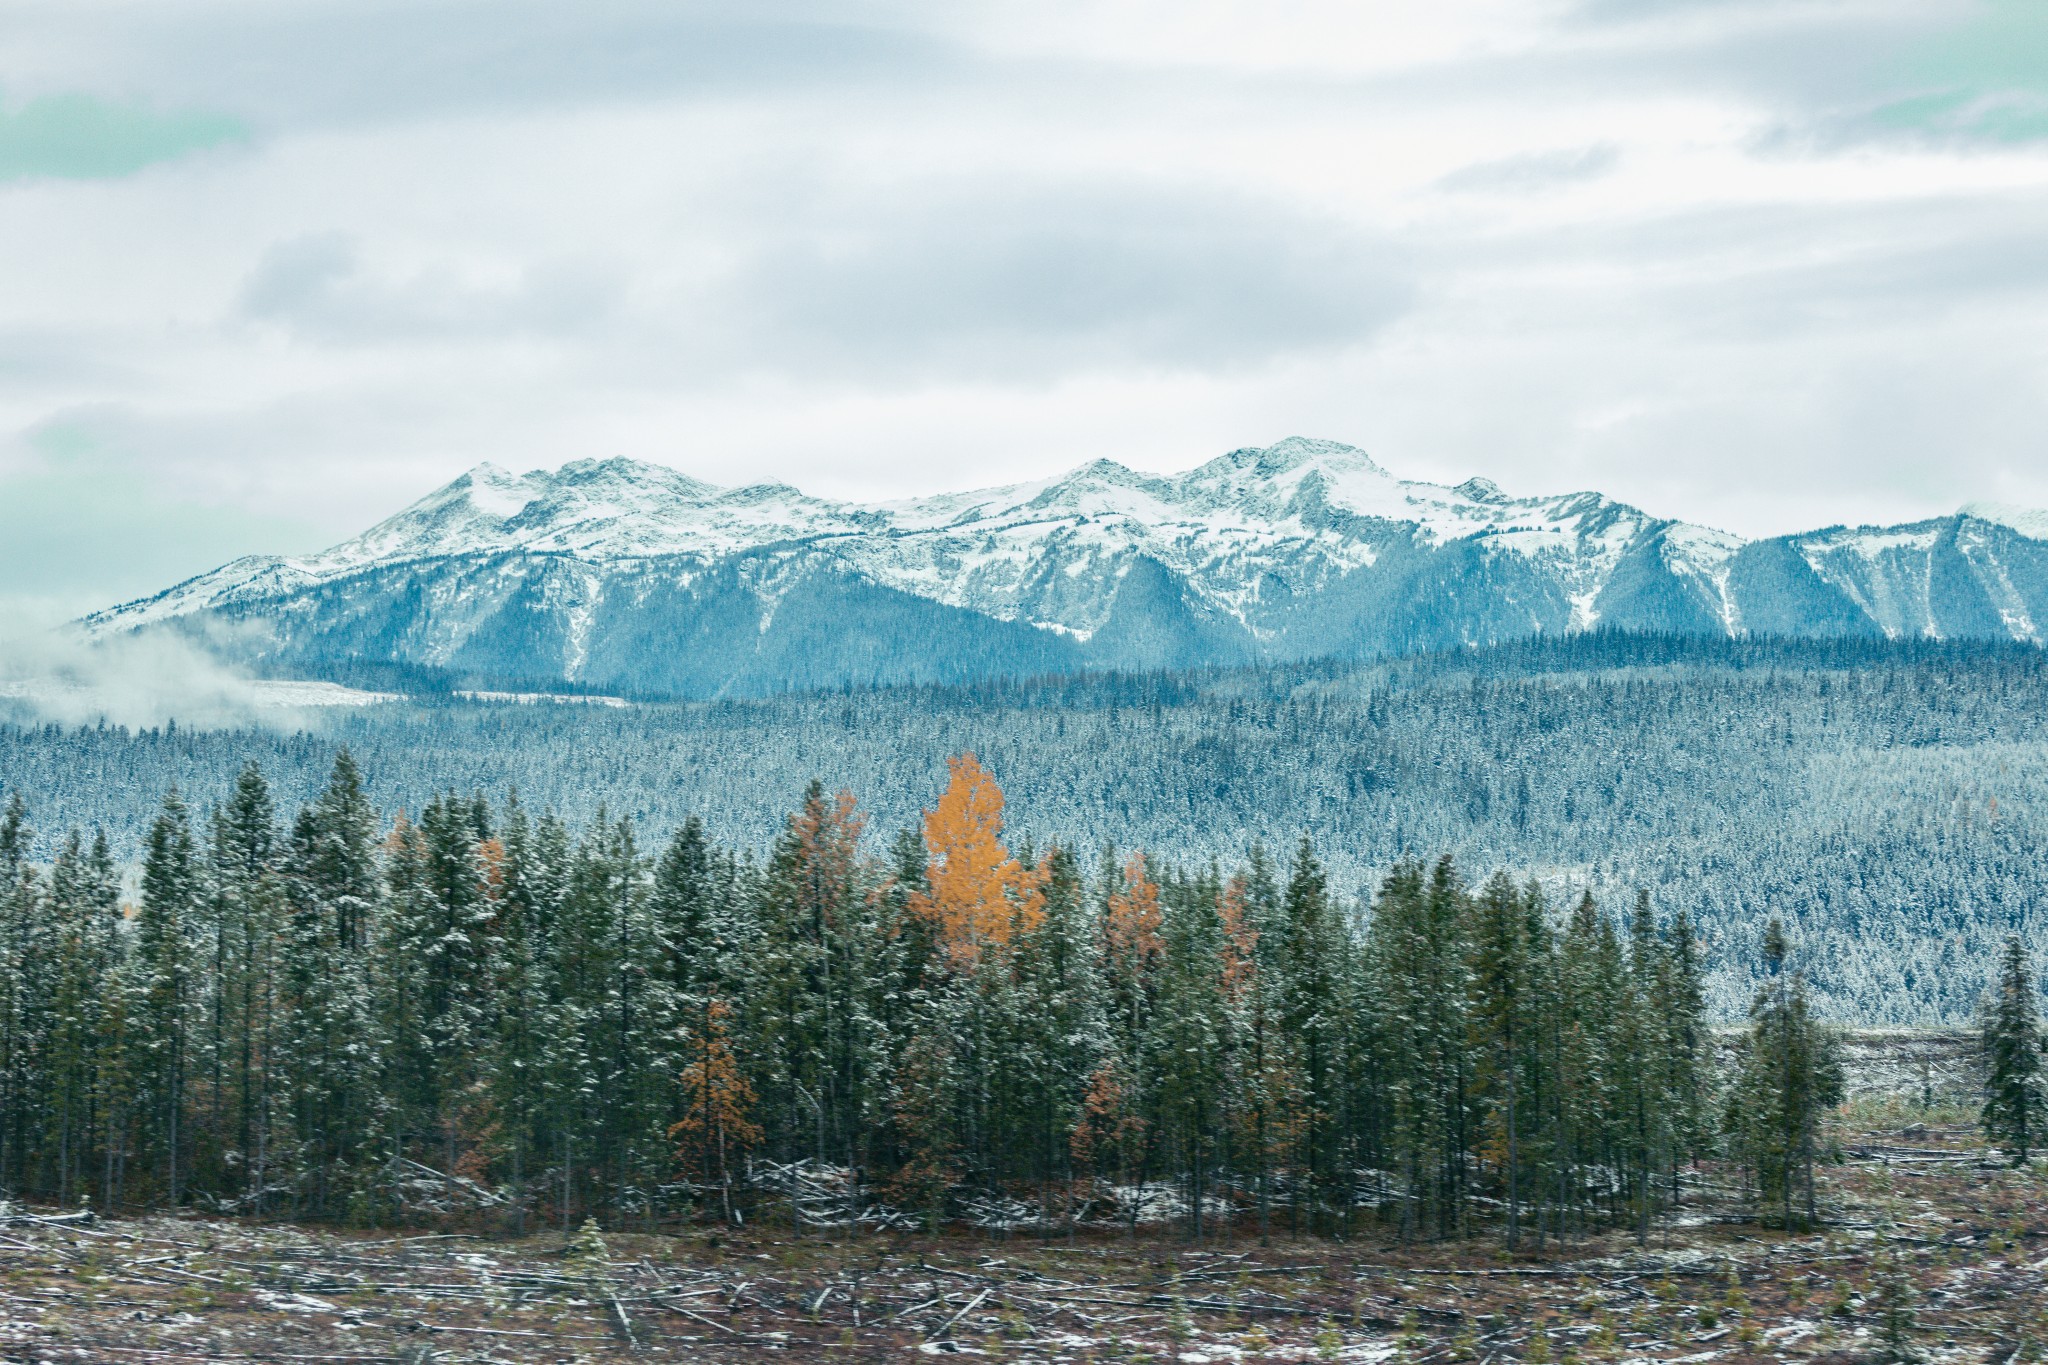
628	574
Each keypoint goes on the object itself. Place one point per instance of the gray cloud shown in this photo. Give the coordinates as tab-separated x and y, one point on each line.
42	359
319	286
985	278
354	61
966	277
1766	271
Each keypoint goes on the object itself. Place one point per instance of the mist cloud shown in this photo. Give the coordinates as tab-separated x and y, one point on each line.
64	677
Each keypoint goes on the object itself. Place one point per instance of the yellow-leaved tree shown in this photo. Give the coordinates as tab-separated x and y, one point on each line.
980	899
716	1127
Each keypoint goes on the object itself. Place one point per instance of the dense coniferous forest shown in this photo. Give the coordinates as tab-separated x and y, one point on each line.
322	1012
1889	801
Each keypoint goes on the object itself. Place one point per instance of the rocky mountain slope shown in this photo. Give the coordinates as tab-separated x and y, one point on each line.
635	577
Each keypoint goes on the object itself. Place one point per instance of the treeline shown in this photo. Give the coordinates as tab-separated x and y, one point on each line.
1887	800
309	1017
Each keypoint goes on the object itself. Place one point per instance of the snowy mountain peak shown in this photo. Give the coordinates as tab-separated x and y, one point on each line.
1105	471
620	472
486	474
638	576
1307	452
1285	463
2028	521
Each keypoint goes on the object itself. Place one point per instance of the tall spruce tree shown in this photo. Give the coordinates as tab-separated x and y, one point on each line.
244	910
1192	1028
83	939
1505	1036
1120	1110
1421	966
24	964
2011	1050
1262	1099
400	958
1790	1076
1314	961
1059	1023
327	1038
168	990
805	1023
515	1069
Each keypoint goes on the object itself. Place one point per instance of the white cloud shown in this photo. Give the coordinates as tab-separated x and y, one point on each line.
1661	247
56	676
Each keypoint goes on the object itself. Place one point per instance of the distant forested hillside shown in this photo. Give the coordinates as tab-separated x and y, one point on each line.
1889	800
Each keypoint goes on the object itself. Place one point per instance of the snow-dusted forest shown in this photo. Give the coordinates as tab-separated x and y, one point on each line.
1889	800
311	1014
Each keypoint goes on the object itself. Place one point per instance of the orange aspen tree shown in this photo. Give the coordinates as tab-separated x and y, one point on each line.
1264	1101
1240	942
827	844
1130	930
1106	1125
981	899
715	1127
490	863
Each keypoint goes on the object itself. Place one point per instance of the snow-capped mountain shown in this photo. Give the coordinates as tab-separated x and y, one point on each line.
634	576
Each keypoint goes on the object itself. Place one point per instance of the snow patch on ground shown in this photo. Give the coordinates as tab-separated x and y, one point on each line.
271	693
302	692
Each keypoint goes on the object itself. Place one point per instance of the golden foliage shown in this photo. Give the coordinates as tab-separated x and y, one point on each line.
1106	1124
1131	929
980	898
491	863
1240	941
473	1131
827	832
715	1125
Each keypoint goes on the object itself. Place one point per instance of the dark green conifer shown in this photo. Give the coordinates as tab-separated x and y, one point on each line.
168	986
1790	1076
2011	1049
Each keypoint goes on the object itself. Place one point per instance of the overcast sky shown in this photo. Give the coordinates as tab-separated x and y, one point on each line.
270	269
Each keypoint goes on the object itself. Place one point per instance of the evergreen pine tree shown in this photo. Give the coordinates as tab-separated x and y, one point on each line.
1060	1020
1504	1033
1119	1110
327	1054
1314	954
804	1020
83	939
2011	1050
1261	1082
1790	1076
24	963
168	989
243	911
1191	1028
1420	974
